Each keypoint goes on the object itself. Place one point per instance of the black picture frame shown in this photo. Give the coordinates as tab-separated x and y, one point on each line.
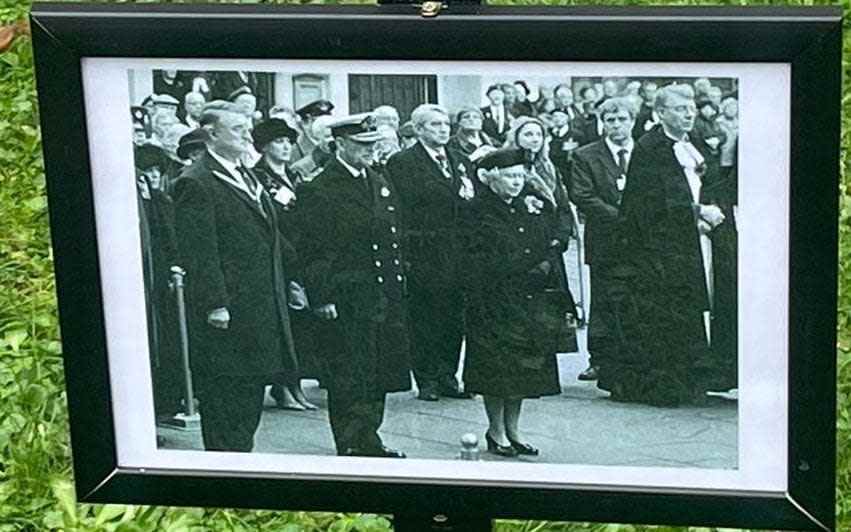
809	39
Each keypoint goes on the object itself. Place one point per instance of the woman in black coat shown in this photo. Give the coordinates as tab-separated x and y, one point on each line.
519	310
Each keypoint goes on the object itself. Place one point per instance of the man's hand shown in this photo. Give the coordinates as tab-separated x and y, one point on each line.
703	227
712	215
327	312
543	268
219	318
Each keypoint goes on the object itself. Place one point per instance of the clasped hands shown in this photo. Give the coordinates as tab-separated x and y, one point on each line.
710	217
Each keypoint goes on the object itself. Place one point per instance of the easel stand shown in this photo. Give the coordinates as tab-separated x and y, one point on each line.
440	522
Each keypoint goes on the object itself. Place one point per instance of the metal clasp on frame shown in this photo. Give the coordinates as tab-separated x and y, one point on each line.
431	8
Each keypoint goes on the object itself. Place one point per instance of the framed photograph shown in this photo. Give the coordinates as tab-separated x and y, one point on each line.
545	263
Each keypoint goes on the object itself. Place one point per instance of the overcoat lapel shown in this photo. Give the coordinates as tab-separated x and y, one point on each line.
613	171
226	180
430	167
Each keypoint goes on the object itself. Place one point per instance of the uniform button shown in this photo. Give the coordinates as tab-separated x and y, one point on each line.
380	280
396	262
375	247
392	228
391	208
399	278
395	245
528	296
378	264
521	230
512	210
527	251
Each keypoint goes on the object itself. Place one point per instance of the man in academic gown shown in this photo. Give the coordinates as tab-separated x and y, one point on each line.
664	357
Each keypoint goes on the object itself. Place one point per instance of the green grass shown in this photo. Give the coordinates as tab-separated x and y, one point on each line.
36	491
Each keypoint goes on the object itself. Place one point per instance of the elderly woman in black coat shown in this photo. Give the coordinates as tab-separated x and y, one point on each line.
519	310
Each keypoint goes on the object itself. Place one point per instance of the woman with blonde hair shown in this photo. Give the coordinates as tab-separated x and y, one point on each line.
545	181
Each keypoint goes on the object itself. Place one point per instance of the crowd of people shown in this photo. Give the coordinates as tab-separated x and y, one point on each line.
358	250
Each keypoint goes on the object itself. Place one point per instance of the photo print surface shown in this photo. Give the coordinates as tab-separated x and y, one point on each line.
452	271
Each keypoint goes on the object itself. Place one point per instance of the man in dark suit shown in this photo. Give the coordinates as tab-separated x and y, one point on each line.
433	186
588	123
598	179
646	119
354	274
234	257
497	117
665	223
563	140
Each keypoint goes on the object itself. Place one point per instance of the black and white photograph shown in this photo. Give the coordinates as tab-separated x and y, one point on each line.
515	265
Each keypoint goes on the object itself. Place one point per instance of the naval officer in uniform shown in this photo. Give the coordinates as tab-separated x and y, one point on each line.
353	270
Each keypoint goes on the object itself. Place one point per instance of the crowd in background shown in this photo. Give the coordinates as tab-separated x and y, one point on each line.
641	173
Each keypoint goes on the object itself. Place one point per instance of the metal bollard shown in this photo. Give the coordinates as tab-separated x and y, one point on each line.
189	420
469	447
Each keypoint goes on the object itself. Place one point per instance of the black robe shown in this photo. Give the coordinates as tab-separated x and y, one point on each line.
663	356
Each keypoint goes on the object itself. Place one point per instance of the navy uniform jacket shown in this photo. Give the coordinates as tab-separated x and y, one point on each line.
234	257
353	258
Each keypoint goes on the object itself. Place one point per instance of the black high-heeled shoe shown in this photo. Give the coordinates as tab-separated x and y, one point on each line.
500	450
524	448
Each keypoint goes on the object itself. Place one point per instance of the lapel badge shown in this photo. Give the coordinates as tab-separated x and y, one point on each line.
385	192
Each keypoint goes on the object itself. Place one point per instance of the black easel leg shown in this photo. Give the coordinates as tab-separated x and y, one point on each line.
440	523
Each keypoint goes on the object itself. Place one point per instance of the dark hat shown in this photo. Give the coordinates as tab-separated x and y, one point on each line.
703	101
148	155
245	89
195	139
407	130
494	87
503	158
359	128
467	109
316	108
269	130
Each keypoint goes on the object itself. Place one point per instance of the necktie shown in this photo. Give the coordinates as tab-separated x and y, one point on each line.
249	181
444	164
622	161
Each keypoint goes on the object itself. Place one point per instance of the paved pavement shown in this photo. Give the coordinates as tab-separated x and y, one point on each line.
580	426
